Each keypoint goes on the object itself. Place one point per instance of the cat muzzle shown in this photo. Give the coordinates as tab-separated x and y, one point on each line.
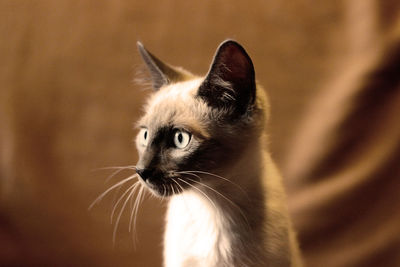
145	174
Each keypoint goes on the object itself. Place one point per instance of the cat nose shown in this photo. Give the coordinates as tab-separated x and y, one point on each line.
144	173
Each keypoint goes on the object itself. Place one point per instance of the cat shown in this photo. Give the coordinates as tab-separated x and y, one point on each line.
202	145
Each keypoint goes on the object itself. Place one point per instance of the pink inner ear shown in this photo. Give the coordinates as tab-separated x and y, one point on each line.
233	66
232	62
239	65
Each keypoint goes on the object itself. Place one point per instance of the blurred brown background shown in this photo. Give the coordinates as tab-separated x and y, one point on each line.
67	106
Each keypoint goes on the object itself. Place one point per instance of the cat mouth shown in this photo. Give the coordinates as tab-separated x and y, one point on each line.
168	183
166	186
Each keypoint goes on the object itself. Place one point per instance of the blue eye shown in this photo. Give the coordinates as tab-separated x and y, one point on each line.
181	139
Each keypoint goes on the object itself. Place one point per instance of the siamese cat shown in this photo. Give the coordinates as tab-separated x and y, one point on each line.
202	145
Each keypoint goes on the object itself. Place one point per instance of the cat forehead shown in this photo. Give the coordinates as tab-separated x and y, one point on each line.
176	92
177	105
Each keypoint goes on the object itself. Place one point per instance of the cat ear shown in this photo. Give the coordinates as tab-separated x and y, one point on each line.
161	73
230	80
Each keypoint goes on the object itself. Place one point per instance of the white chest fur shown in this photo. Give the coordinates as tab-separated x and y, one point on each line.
196	233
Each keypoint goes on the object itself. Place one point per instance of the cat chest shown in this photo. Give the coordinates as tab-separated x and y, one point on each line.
195	231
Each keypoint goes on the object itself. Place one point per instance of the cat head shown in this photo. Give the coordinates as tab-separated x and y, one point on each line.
193	125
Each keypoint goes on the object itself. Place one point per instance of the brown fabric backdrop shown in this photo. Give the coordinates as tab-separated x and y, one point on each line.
67	106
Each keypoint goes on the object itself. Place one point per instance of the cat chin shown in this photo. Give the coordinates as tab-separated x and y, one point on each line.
155	192
161	190
152	188
159	193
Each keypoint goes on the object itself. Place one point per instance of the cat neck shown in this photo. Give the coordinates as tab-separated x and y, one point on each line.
216	222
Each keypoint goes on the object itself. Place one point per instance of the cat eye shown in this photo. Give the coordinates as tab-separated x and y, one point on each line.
144	136
181	139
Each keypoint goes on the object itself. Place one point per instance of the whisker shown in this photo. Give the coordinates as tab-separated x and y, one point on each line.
134	212
120	213
183	196
118	170
176	182
122	196
141	198
190	173
135	209
164	192
115	195
113	174
217	176
131	203
227	199
204	194
172	188
100	197
132	167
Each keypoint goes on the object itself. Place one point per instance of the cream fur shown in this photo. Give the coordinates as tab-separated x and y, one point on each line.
200	233
238	220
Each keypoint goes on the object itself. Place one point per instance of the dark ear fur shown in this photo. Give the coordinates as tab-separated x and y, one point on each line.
230	82
161	73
